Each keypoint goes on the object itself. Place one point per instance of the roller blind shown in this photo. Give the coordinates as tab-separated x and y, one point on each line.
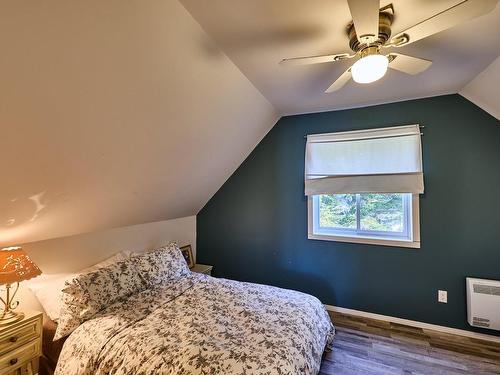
385	160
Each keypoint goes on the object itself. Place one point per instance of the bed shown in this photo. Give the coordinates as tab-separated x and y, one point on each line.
191	324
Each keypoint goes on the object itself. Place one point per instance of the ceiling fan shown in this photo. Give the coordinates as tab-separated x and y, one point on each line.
370	32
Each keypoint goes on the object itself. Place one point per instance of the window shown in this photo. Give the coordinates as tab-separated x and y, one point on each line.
365	217
363	186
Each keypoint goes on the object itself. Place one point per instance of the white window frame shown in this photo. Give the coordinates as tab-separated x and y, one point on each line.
413	240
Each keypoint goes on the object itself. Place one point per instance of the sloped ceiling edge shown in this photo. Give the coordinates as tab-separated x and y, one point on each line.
484	89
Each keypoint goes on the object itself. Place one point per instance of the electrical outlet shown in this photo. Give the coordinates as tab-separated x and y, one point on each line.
443	296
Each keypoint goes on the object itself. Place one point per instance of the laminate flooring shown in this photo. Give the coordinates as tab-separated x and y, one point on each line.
373	347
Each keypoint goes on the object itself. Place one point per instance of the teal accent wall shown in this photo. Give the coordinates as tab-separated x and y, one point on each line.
255	227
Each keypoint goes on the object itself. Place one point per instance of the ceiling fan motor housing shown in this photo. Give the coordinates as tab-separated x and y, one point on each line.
386	16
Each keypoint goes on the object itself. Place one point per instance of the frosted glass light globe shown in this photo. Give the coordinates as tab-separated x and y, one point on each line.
369	69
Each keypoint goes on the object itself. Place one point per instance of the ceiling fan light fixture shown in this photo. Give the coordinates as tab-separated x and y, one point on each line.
369	68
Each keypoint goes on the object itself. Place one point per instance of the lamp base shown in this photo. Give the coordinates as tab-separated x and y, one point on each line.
9	317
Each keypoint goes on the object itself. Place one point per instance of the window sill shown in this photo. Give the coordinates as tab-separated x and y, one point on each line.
365	240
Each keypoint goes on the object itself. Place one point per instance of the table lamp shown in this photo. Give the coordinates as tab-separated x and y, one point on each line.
15	266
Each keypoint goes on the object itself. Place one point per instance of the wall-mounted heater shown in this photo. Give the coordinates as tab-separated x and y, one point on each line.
483	303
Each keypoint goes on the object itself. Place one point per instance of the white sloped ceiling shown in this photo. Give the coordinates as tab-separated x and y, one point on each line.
483	90
257	34
115	113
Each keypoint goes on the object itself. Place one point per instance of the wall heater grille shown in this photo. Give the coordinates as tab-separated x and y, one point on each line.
483	303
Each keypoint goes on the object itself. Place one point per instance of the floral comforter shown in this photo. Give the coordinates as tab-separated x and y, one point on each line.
202	325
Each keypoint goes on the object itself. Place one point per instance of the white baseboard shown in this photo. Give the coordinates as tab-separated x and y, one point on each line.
413	323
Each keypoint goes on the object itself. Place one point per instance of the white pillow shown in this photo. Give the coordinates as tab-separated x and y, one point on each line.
48	287
48	291
122	255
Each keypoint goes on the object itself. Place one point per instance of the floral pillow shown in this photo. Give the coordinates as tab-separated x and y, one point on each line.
87	294
162	265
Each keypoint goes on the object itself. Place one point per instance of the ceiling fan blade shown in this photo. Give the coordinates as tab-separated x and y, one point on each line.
459	13
365	15
340	82
315	59
408	64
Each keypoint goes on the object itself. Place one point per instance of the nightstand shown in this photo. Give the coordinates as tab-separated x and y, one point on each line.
21	345
203	268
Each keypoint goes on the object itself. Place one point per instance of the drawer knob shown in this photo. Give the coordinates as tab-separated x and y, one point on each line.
13	339
13	361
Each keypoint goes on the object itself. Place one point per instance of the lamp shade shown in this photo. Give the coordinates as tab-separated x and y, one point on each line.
16	265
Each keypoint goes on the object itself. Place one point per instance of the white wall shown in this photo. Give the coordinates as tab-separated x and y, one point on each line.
483	90
73	253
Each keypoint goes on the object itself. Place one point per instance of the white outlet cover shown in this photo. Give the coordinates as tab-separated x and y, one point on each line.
443	296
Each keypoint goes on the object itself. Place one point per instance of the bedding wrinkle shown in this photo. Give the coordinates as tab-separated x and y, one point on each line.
198	325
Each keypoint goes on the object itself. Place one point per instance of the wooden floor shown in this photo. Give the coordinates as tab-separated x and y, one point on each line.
373	347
